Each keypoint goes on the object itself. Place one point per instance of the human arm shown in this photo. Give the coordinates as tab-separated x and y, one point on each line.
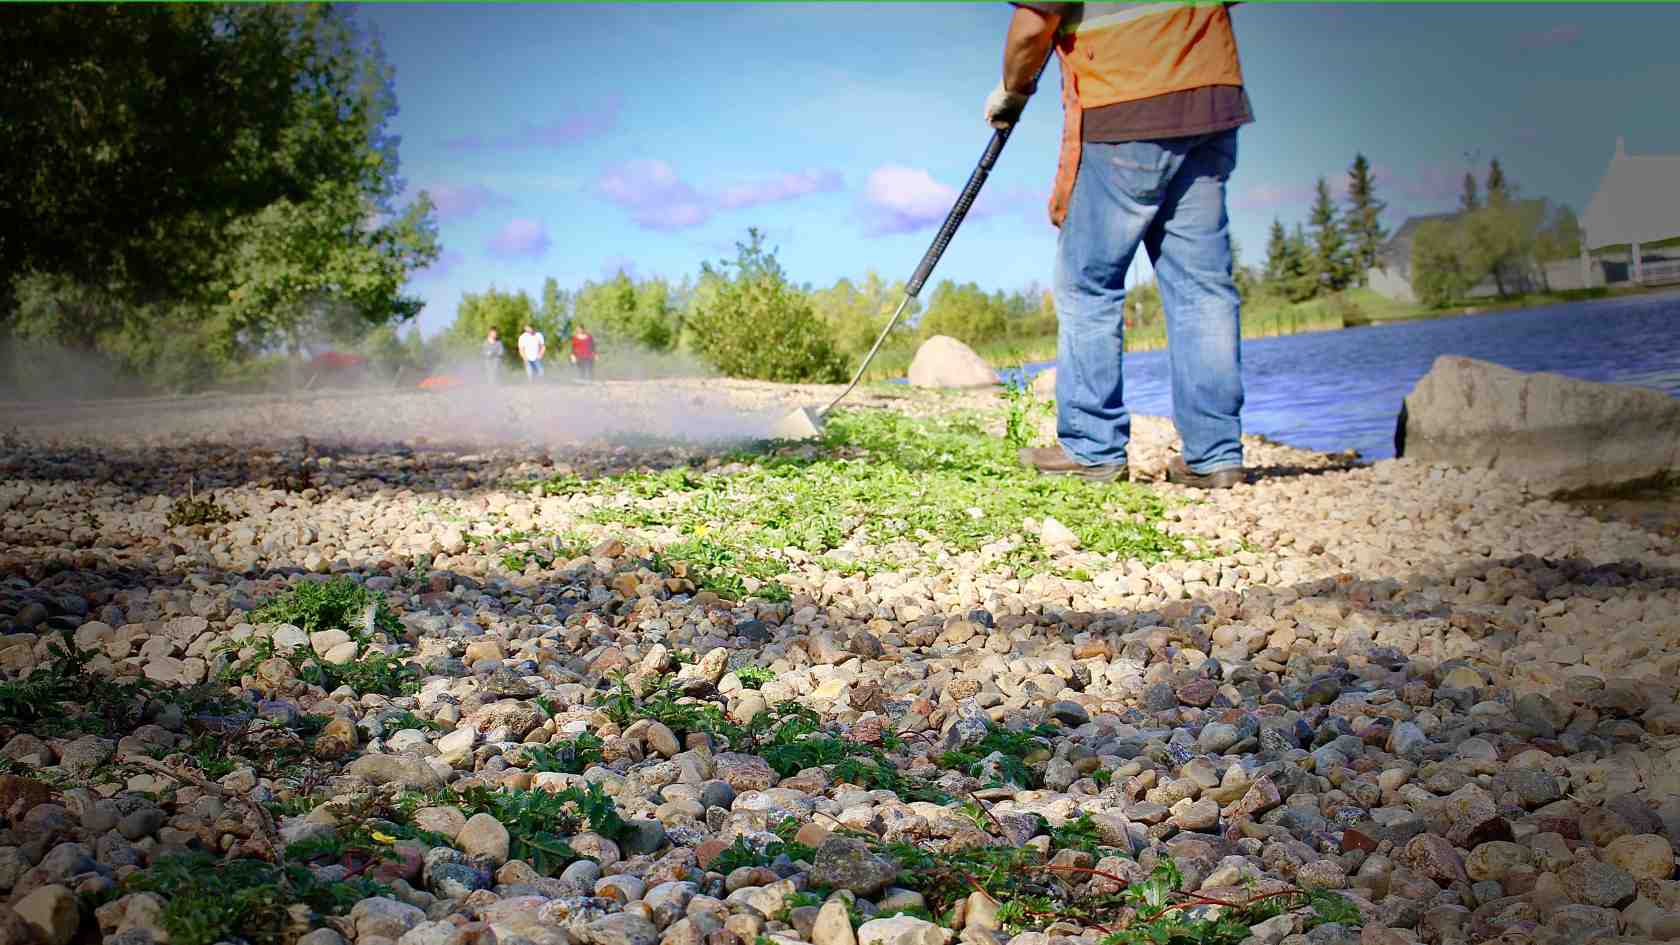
1025	46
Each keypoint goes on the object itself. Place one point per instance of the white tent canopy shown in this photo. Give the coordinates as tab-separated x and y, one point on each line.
1638	201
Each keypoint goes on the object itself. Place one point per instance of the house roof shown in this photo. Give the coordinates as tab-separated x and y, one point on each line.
1638	200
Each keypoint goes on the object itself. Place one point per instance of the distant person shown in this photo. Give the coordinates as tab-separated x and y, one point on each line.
1153	96
491	351
531	350
583	353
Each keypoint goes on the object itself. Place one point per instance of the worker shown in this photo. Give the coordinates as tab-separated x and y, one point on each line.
1152	96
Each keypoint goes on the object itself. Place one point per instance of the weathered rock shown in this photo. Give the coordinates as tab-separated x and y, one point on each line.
484	835
846	863
942	361
52	911
1557	433
901	930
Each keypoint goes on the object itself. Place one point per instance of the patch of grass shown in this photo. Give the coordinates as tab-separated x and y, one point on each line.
340	603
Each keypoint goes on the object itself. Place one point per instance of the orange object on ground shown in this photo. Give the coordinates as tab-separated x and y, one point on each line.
440	382
338	360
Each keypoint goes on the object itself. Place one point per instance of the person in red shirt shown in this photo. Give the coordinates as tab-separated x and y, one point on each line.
583	353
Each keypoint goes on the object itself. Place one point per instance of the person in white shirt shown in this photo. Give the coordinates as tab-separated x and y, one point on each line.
531	350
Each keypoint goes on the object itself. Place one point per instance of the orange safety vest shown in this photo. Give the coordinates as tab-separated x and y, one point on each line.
1124	52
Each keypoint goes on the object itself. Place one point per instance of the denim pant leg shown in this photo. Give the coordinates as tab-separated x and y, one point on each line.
1115	199
1190	245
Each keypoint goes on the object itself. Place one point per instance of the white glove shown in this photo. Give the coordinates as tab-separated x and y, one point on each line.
1003	107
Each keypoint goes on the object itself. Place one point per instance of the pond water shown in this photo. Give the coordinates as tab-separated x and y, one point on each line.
1339	390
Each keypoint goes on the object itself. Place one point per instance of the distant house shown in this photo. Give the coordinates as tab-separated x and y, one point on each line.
1392	275
1631	230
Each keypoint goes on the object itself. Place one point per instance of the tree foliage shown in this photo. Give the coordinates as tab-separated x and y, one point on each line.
208	176
646	313
1363	218
755	324
1330	264
507	312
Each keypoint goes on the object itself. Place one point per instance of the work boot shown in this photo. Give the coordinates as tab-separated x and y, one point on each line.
1179	473
1054	461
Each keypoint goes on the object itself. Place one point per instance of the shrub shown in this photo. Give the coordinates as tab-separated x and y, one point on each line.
757	325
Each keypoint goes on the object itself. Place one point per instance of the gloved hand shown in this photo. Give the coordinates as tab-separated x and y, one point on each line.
1003	107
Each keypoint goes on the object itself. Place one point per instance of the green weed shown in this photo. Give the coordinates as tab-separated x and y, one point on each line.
573	756
538	822
1015	747
191	511
340	603
754	677
209	901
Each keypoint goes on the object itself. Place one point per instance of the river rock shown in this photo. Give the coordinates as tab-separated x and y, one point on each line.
943	361
1558	433
901	930
845	863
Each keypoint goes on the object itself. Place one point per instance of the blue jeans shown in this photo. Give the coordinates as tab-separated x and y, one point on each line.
533	369
1169	196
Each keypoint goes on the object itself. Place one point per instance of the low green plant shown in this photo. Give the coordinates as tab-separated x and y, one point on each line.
340	603
1022	412
372	672
397	721
1015	747
208	901
572	756
744	853
62	696
664	703
194	511
754	677
539	821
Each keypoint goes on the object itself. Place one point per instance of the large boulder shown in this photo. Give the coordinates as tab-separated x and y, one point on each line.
942	361
1560	434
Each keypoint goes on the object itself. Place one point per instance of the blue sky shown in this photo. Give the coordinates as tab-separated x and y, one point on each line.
571	141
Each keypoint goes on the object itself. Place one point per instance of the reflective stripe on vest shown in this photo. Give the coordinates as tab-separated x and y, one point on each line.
1124	52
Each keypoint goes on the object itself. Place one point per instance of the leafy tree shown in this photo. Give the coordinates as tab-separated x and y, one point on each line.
507	312
1364	228
856	312
964	312
556	307
755	324
1467	199
642	313
1439	267
1329	249
1559	236
213	174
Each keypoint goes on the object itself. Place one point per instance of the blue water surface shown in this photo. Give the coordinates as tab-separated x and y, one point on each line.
1338	390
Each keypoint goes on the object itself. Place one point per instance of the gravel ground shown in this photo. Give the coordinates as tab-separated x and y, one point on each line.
1449	702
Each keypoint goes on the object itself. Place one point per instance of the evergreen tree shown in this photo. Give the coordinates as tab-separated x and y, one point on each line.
1498	191
1329	247
1363	225
1277	253
1468	201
